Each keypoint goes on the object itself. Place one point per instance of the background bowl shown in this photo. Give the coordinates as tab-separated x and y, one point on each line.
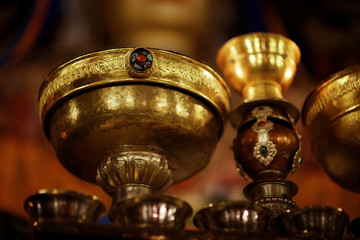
233	216
313	221
63	205
331	114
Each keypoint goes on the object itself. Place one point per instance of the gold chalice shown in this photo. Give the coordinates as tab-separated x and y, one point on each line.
260	67
133	120
331	114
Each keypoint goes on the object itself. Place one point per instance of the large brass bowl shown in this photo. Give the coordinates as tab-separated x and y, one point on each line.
331	114
99	105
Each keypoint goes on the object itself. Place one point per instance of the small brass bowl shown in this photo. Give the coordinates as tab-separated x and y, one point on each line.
156	211
63	205
313	222
331	114
233	217
105	103
259	65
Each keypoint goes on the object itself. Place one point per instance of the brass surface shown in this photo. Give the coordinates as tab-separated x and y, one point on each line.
331	114
320	222
130	165
60	205
274	194
94	106
131	190
111	67
259	65
157	211
234	216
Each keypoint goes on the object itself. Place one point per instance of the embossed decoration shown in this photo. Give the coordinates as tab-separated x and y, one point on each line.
264	150
134	167
297	158
141	59
240	170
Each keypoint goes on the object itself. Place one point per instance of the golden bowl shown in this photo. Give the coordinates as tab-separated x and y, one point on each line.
259	65
331	114
112	107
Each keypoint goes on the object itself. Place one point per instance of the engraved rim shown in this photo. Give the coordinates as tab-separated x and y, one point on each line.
313	104
108	67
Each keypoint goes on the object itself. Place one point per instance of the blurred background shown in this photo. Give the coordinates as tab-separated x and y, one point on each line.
38	35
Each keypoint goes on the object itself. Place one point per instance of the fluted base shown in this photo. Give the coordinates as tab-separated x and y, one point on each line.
140	165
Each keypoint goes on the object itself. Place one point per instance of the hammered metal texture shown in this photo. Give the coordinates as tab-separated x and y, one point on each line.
93	105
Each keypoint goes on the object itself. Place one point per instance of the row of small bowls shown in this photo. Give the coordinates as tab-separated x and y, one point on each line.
167	212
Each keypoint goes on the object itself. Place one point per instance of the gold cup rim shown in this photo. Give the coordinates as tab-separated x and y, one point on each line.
261	35
111	67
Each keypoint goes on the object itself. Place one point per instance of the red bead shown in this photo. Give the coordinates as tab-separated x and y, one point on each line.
141	58
261	123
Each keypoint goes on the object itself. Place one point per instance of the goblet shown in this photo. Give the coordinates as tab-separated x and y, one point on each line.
133	120
260	67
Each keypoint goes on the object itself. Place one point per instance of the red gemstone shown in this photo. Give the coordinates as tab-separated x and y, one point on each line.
141	58
261	123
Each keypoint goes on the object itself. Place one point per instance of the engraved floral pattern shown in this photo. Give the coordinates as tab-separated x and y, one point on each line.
134	167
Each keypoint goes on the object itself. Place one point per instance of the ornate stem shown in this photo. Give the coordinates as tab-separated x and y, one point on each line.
135	167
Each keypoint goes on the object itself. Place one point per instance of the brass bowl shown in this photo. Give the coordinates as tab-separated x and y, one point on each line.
312	222
236	216
102	105
331	114
259	65
156	211
63	205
